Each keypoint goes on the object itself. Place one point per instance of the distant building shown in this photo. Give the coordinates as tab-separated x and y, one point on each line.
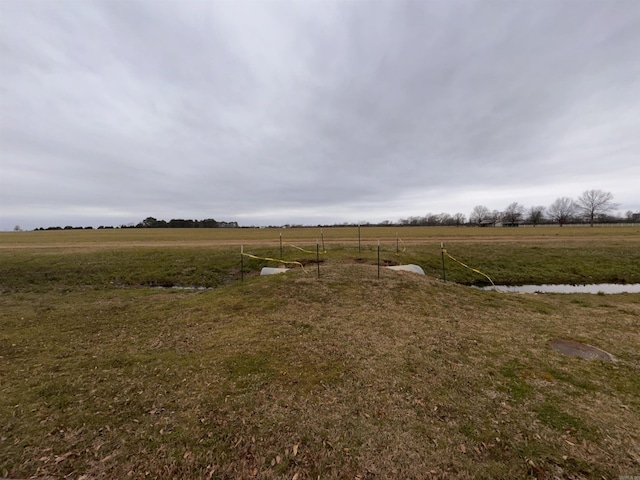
488	223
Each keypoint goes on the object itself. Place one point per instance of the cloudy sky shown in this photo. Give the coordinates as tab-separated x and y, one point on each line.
309	111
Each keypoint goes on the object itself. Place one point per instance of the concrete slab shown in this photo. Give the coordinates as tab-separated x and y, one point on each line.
582	350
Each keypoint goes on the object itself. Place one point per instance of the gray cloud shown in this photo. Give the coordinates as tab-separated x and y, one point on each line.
282	112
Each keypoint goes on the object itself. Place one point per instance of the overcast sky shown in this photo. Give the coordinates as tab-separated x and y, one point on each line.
275	112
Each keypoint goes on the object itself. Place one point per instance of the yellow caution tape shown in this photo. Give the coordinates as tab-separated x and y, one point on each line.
301	249
483	274
404	248
305	251
275	260
472	269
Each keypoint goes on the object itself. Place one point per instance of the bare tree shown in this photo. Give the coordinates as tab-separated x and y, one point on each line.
445	219
593	203
632	216
479	214
459	218
536	214
562	210
513	213
431	219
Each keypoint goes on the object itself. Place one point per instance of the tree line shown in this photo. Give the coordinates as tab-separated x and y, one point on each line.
592	206
151	222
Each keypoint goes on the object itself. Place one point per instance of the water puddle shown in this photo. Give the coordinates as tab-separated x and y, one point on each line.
179	287
596	288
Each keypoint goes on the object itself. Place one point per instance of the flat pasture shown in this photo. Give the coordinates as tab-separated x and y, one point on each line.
142	353
208	237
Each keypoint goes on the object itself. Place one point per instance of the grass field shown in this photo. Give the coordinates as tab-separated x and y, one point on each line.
105	374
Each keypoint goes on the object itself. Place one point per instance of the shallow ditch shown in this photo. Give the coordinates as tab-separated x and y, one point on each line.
596	288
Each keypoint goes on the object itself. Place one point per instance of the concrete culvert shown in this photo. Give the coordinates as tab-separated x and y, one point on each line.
272	270
408	268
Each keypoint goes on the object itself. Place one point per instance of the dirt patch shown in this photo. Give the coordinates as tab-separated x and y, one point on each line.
582	350
369	261
309	261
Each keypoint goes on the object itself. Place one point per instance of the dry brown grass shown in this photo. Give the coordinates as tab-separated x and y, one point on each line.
222	237
346	376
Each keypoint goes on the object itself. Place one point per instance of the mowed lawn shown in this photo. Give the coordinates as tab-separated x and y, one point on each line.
360	372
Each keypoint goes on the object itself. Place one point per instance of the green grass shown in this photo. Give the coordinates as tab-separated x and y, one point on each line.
519	264
516	385
342	376
141	266
212	267
552	415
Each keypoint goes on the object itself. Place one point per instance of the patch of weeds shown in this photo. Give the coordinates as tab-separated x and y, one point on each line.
402	288
623	379
469	430
541	308
282	465
55	393
175	437
303	327
493	302
625	311
242	366
580	302
538	306
309	376
554	417
587	469
516	386
412	367
118	362
576	382
529	448
545	376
